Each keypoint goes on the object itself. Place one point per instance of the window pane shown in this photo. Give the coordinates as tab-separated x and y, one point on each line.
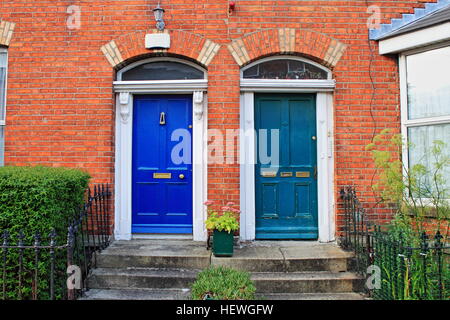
163	71
2	84
429	84
421	140
2	145
285	69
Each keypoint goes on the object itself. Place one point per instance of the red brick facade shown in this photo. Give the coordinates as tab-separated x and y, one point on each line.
60	102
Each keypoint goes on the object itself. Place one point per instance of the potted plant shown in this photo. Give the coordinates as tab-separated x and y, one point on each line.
221	283
223	223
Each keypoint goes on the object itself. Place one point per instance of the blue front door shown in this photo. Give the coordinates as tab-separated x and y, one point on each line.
162	164
286	192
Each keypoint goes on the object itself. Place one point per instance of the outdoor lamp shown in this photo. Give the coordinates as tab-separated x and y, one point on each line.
159	13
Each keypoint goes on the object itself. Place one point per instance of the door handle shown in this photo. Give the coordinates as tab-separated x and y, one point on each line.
315	172
181	176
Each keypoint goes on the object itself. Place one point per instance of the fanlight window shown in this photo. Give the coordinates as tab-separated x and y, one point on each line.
285	69
162	70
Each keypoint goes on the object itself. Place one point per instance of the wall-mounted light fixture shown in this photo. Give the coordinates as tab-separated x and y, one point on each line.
159	15
231	7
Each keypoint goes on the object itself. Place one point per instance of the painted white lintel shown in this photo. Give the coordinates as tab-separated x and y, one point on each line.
163	86
276	85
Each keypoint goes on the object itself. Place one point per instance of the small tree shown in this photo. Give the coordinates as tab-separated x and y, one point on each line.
415	191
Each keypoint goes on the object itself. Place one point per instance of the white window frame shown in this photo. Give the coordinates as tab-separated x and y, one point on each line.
405	122
3	122
287	85
3	116
160	59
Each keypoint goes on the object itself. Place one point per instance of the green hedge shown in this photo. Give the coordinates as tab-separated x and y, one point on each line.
38	199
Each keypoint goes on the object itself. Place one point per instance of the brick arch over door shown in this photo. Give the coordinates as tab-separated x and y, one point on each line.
318	46
6	32
186	44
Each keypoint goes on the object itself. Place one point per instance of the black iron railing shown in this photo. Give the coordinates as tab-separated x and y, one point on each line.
46	267
398	265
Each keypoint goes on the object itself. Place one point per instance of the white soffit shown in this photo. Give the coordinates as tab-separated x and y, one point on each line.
419	38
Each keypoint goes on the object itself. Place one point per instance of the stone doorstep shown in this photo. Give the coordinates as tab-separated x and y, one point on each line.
141	278
307	282
264	256
311	296
184	294
287	259
137	294
165	269
274	282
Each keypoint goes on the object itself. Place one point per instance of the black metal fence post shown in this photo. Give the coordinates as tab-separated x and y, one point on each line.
37	244
70	249
20	237
424	255
438	247
5	246
52	236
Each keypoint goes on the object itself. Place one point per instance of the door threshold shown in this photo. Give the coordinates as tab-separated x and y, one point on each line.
163	236
285	243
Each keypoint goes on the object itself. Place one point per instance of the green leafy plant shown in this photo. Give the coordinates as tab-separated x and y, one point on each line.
220	283
410	274
38	199
224	219
415	193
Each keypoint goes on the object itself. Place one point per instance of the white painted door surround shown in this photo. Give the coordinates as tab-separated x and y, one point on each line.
123	169
124	127
325	155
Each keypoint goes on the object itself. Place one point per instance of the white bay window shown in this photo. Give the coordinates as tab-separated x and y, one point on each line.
3	77
425	92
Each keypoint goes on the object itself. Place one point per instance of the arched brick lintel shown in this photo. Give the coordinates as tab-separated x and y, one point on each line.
182	43
318	46
6	32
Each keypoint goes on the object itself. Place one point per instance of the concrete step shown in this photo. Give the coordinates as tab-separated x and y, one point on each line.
265	282
141	278
185	294
183	254
287	256
307	282
311	296
265	256
136	294
161	269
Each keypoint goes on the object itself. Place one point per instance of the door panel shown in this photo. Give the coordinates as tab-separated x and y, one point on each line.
270	200
161	187
286	193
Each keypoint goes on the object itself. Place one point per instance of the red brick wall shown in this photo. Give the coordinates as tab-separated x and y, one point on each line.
60	99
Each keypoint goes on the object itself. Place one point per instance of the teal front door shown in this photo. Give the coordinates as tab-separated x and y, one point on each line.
286	189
